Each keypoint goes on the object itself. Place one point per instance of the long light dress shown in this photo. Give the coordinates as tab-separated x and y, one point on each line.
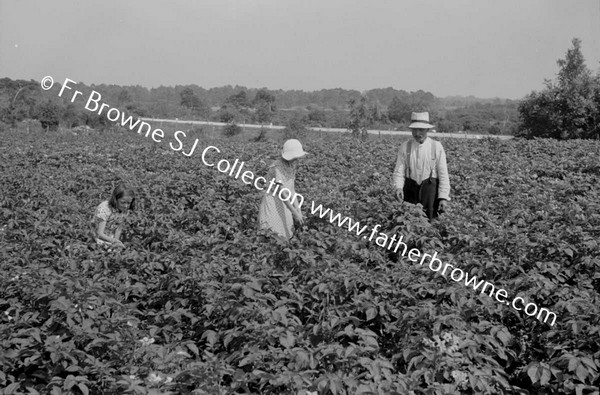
273	213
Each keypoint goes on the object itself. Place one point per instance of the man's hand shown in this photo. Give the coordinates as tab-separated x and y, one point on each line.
399	194
443	205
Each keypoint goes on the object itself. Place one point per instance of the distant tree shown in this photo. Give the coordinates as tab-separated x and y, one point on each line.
376	114
296	127
385	96
399	110
446	126
494	129
70	116
95	121
124	97
134	109
264	103
238	100
191	101
49	115
231	114
264	96
361	117
19	100
472	123
421	100
568	107
263	113
226	115
317	116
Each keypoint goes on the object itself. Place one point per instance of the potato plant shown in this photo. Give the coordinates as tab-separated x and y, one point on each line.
200	302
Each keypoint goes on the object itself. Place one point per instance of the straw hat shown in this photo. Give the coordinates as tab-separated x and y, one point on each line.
419	120
292	149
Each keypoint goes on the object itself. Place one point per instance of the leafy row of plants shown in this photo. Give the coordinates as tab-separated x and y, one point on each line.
201	302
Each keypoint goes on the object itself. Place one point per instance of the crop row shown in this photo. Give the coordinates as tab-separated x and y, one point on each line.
202	302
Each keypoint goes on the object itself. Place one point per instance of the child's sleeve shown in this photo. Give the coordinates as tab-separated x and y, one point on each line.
101	214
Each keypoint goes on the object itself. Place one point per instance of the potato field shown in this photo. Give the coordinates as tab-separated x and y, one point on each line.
200	302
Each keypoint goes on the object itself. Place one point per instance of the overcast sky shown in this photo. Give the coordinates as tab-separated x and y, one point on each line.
485	48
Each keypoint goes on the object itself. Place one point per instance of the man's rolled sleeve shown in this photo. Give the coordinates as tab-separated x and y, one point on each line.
444	179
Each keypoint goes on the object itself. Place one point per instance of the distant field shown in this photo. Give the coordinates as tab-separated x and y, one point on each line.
201	303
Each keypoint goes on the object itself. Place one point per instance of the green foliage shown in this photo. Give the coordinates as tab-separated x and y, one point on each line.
4	126
262	135
95	121
495	117
236	108
70	116
316	116
360	118
264	104
238	100
296	128
399	111
569	107
227	115
135	110
49	115
264	112
191	101
231	130
445	126
200	302
494	129
124	98
19	100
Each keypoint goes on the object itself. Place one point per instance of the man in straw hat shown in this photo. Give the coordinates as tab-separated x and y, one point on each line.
421	173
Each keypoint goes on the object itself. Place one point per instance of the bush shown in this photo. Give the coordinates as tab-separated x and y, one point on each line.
569	107
262	135
296	128
494	129
232	130
49	115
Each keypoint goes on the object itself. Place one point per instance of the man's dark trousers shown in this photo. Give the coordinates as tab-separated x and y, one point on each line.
426	194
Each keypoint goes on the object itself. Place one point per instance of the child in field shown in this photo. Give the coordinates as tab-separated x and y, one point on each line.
110	216
276	211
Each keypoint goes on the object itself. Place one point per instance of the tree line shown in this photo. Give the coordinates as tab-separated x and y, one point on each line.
567	108
385	109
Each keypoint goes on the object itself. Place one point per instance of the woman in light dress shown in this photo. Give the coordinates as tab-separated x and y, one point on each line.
278	210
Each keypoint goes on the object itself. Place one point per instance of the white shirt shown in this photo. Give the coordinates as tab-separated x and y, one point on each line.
422	166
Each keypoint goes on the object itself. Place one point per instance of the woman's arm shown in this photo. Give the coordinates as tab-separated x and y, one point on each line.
296	212
294	209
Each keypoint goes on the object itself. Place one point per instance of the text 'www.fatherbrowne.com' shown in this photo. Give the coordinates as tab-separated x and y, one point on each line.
395	243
